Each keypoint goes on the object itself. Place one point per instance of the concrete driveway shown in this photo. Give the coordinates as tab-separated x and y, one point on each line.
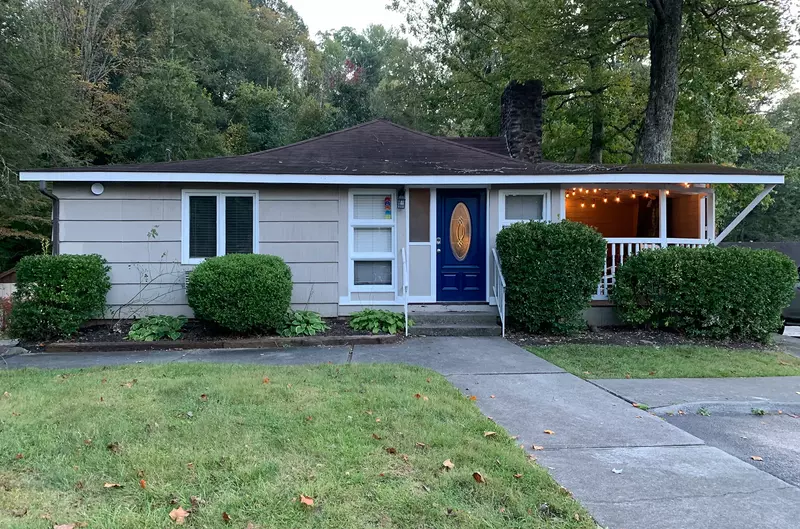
631	469
726	413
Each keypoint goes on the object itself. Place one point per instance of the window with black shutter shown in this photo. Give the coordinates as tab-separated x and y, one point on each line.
219	223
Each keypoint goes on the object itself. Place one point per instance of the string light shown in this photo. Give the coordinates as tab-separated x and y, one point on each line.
583	204
617	199
593	204
647	195
633	195
580	189
594	190
605	200
573	193
667	191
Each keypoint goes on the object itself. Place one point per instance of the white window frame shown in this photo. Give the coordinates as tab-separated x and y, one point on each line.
503	221
354	256
221	196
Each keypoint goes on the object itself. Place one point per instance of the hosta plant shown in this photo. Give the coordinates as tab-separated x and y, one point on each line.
302	323
153	328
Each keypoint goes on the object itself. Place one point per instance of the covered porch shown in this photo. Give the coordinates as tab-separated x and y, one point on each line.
634	218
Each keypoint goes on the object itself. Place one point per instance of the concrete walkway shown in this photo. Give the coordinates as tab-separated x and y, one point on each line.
631	469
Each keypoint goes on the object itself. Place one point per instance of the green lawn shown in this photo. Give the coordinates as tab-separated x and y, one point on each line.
613	361
346	436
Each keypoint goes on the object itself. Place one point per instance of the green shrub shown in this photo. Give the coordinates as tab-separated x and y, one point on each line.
302	323
379	321
709	292
56	294
551	272
241	293
154	328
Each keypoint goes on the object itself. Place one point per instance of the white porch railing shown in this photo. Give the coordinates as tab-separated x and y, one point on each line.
499	289
620	249
405	284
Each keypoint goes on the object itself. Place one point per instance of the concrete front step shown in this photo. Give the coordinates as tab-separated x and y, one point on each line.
466	319
434	329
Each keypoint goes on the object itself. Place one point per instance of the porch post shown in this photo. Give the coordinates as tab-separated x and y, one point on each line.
711	219
662	215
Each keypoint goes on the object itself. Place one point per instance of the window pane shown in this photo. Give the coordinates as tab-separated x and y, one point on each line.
238	225
373	272
372	240
525	207
202	227
372	207
419	215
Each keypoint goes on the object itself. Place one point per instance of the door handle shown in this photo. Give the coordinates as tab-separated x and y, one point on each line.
438	244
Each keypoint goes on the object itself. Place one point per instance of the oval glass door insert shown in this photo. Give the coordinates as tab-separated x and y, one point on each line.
460	231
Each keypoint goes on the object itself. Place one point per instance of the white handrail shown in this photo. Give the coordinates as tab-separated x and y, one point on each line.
499	289
405	285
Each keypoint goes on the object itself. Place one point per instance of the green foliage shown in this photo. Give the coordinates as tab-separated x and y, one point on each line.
56	294
379	321
241	293
153	328
551	272
302	323
710	292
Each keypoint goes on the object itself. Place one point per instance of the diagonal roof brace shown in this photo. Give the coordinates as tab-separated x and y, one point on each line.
740	217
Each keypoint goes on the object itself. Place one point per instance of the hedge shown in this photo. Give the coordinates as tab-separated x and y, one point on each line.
56	294
551	272
241	293
708	292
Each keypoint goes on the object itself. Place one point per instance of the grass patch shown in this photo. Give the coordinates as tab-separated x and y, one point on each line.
614	361
216	439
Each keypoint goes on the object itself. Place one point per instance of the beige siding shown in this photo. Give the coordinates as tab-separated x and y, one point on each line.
420	270
299	224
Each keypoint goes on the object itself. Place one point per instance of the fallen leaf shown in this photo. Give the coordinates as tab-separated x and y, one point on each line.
190	465
651	373
79	485
226	517
491	396
417	396
19	513
517	476
265	381
309	418
114	447
140	473
515	437
65	526
204	397
376	437
19	456
489	434
783	363
473	397
101	399
616	470
378	419
421	445
549	432
87	442
143	483
288	386
757	458
250	525
112	485
196	501
635	404
104	381
627	375
178	515
305	500
448	464
424	398
577	517
478	477
428	380
405	457
537	447
6	394
502	510
391	450
128	384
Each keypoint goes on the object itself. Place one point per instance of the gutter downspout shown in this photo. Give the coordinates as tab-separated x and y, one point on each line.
56	211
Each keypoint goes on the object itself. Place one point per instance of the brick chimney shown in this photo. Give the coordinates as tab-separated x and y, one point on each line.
521	123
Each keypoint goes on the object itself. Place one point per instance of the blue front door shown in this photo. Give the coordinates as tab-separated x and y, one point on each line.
461	245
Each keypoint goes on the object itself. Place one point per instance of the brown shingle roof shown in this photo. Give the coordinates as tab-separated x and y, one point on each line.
383	148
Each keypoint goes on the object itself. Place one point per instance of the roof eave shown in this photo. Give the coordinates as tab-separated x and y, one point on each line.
352	179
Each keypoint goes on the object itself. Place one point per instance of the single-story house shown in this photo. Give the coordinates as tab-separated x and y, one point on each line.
373	215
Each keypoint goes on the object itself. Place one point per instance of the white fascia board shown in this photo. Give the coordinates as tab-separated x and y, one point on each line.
246	178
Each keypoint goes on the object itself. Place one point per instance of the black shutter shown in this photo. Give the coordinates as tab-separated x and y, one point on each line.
202	227
238	225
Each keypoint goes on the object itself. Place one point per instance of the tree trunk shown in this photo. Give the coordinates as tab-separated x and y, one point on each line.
664	34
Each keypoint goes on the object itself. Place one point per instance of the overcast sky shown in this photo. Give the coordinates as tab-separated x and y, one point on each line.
322	15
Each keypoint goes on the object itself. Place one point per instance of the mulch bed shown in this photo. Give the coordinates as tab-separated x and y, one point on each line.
626	337
194	332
